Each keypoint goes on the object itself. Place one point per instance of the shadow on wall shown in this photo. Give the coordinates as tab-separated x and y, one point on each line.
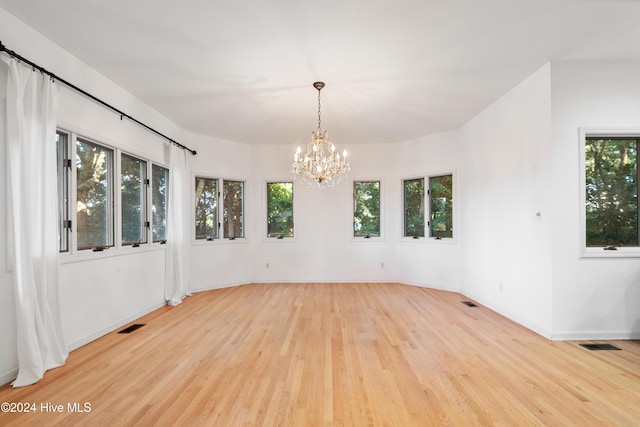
613	310
632	303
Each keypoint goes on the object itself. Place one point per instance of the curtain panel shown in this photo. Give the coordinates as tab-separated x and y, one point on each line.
178	272
33	221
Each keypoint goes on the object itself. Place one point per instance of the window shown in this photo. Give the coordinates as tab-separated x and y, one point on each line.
414	217
159	190
611	190
138	214
64	178
280	209
233	209
366	209
94	188
133	191
441	206
206	208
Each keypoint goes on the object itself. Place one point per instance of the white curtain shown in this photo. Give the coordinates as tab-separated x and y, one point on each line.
178	272
33	221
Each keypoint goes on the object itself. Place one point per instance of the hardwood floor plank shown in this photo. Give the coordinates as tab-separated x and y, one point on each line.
329	354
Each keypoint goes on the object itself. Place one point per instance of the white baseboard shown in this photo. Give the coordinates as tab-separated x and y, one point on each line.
7	377
595	336
217	286
293	281
513	317
429	286
110	328
229	285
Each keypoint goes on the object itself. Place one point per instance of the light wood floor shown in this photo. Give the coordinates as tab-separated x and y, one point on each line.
335	354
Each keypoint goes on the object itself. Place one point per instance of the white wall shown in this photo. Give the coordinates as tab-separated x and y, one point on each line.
504	182
591	297
428	262
323	248
222	263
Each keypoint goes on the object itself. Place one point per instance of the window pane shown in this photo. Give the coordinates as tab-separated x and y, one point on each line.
441	206
279	209
206	208
62	148
611	172
159	190
133	194
233	209
366	208
414	207
94	193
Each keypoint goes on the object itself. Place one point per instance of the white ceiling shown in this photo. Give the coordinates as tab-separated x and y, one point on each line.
243	70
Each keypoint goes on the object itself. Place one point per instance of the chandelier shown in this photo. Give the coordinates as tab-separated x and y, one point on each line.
321	166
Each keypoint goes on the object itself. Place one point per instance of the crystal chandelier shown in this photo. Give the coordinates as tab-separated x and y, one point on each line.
321	166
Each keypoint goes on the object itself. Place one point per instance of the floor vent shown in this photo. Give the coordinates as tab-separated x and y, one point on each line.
469	303
599	347
131	328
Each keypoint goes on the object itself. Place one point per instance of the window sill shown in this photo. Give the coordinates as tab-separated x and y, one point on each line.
279	240
215	242
89	255
429	240
618	253
367	239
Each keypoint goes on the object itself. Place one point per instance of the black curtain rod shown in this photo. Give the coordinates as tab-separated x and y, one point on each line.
92	97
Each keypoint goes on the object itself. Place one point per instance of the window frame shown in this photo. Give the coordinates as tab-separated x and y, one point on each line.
217	208
265	198
428	238
222	212
112	213
145	184
599	251
152	224
220	239
116	246
65	173
429	199
369	238
424	208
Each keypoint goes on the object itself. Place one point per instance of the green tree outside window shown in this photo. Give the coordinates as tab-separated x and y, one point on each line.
279	209
366	208
611	173
414	207
441	206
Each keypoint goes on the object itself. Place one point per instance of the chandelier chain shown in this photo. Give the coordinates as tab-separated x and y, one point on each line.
318	111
